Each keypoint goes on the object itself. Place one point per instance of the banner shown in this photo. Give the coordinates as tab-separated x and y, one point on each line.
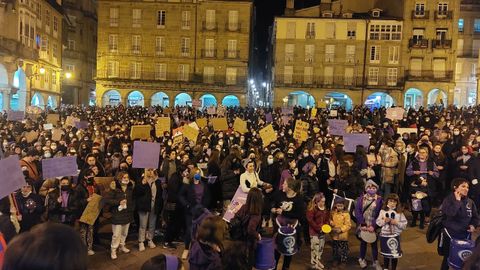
57	134
162	126
240	126
15	115
92	211
268	135
219	124
60	166
301	131
146	154
402	131
238	200
140	132
351	141
395	113
11	175
177	140
190	133
337	127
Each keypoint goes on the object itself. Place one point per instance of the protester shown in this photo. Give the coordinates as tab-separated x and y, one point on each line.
162	262
317	216
341	224
207	247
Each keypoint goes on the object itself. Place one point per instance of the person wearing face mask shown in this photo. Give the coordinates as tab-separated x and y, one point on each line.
367	210
30	207
289	170
305	158
170	164
463	163
442	183
375	163
85	191
213	169
120	199
392	222
33	173
63	204
389	167
173	211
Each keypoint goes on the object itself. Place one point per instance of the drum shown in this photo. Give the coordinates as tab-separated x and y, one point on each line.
264	257
390	247
369	237
417	205
460	250
286	241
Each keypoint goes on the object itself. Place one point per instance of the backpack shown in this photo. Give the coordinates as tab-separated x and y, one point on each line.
238	227
435	227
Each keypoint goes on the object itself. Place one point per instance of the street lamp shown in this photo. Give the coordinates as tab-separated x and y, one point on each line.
68	75
41	70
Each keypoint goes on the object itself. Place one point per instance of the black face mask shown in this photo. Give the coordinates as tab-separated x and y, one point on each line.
89	180
65	188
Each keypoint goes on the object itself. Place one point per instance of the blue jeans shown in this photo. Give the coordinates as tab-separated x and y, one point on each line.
150	219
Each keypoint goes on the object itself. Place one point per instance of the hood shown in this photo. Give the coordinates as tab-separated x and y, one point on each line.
201	254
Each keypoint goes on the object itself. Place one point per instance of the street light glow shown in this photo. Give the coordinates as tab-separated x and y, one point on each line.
42	70
252	81
68	75
264	84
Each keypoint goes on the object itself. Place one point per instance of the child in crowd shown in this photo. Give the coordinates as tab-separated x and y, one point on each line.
420	201
392	222
341	224
317	216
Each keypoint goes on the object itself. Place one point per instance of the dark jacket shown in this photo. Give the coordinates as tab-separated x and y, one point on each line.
253	225
230	182
31	208
459	215
310	187
113	199
83	194
58	213
203	257
143	197
187	196
174	185
271	174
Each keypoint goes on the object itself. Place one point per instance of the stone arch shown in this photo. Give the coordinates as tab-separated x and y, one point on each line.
3	76
38	100
231	101
208	100
437	97
111	97
18	100
160	99
52	102
183	99
379	99
338	100
413	98
135	98
299	98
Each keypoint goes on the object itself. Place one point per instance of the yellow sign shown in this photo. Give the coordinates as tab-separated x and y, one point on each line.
240	126
219	124
301	131
57	134
92	211
190	133
177	140
31	136
140	132
53	118
313	113
322	105
202	122
104	184
162	126
268	135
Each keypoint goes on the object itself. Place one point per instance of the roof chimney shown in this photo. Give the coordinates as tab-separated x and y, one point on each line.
290	8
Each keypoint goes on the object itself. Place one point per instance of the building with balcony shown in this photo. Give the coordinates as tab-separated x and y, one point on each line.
378	53
30	53
173	52
79	51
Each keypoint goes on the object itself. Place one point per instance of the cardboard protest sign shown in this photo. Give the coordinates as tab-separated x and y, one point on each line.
301	131
240	126
322	105
15	115
287	110
92	211
333	113
190	133
201	122
212	110
268	117
194	125
33	110
196	103
350	202
177	140
31	136
47	126
402	131
11	175
70	121
53	118
103	184
351	141
146	154
395	113
60	166
162	126
57	134
81	124
219	124
313	113
140	132
177	131
238	200
221	110
268	135
337	127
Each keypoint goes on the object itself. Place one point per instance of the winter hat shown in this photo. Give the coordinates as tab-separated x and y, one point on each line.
370	183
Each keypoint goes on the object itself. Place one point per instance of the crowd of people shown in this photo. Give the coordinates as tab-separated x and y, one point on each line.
312	190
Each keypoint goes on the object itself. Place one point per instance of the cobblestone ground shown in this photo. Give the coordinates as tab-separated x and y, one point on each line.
418	254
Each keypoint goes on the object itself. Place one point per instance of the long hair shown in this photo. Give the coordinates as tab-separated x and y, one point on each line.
214	157
254	203
393	197
212	230
313	203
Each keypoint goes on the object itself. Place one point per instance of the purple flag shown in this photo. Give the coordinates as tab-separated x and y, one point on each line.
268	117
351	141
239	199
146	155
81	124
15	115
60	166
11	175
337	127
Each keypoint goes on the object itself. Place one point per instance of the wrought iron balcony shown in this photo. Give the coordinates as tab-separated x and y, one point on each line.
442	43
209	53
443	15
418	43
209	26
232	54
420	15
429	75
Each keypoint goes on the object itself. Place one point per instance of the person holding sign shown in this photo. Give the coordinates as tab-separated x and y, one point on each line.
120	199
30	207
62	203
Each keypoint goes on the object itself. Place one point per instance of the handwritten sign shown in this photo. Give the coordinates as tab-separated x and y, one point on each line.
60	166
31	136
402	131
47	126
219	124
11	175
313	113
268	135
57	134
190	133
352	140
177	140
196	103
239	199
301	131
140	132
201	122
162	126
53	118
146	154
395	113
240	126
337	127
15	115
333	113
92	210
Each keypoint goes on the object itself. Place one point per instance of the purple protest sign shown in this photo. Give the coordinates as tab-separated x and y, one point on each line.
268	117
337	127
146	155
237	202
81	124
60	166
351	141
11	175
287	110
15	115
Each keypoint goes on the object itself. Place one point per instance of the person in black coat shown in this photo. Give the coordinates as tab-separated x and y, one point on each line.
30	208
149	202
173	211
230	180
194	194
63	204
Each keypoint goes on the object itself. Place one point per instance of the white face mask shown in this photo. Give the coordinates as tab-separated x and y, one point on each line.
270	161
47	155
305	154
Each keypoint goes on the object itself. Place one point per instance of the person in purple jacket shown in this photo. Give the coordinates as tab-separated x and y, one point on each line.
367	209
206	249
460	218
